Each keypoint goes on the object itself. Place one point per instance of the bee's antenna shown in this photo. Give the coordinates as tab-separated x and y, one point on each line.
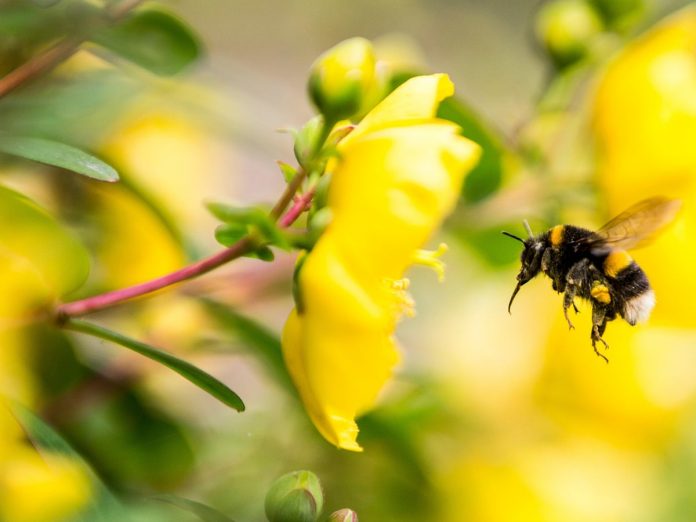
508	234
528	228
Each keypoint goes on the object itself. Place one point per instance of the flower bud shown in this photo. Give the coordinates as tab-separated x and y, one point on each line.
295	497
343	515
306	140
341	78
566	28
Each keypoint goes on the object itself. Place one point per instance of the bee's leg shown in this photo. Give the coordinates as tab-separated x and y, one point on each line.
599	323
573	280
568	300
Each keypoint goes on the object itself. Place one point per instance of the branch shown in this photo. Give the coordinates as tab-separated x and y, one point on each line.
240	248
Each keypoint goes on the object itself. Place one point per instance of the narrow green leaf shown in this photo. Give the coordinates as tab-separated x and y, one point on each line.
59	155
202	511
288	171
260	340
154	40
188	371
103	507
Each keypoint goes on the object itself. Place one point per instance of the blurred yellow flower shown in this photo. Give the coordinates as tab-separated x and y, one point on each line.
400	172
645	123
40	488
39	262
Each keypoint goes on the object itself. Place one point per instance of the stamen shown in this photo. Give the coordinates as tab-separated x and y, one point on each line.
431	259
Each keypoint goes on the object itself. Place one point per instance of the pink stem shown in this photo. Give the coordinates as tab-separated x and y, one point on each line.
241	247
300	205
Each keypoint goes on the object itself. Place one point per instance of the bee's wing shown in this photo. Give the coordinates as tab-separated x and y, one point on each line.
636	226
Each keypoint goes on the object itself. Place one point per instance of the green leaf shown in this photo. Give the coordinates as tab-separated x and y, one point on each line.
228	235
103	507
28	233
261	341
50	109
236	215
154	40
202	511
188	371
253	220
59	155
263	253
288	171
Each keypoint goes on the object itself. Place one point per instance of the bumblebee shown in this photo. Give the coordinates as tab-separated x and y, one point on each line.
596	266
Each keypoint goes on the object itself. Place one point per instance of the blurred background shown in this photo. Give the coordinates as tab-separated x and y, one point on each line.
582	108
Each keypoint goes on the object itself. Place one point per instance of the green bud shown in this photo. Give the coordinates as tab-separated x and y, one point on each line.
306	140
295	497
342	78
566	29
343	515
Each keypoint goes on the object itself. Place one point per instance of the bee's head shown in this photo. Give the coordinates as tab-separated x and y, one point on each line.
530	258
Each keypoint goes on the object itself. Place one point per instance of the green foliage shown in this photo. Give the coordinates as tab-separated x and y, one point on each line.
254	222
259	340
103	506
58	155
153	39
188	371
131	443
74	110
493	247
204	512
45	3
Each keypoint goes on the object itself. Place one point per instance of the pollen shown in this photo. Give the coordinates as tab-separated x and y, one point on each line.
431	259
402	300
600	293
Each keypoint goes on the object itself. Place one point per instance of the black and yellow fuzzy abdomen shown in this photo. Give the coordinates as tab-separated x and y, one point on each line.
630	288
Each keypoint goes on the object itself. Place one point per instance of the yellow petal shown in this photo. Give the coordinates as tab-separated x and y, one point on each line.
416	99
399	174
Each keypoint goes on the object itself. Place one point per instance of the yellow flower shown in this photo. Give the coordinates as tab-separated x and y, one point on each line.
645	122
399	174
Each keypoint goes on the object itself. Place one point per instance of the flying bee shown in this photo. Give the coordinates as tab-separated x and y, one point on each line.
595	265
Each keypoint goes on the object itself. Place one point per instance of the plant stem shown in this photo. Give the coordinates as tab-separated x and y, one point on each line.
240	248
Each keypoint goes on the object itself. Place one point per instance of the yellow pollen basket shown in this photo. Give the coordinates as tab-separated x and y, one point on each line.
600	293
